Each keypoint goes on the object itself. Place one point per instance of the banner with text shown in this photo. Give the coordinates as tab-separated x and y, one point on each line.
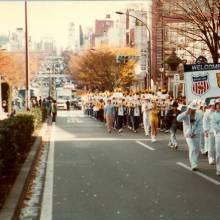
202	81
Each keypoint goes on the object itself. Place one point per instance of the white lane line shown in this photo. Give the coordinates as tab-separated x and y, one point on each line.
47	202
109	139
199	173
145	145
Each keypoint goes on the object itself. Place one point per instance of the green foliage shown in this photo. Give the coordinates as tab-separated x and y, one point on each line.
15	135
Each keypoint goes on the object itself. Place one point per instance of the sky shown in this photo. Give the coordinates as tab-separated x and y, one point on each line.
51	18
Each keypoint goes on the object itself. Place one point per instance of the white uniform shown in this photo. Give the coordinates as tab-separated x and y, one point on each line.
211	139
145	108
215	124
190	129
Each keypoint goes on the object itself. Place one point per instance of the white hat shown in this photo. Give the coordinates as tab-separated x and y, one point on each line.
217	100
212	102
193	105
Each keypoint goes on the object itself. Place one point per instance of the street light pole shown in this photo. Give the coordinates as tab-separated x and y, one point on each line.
148	75
26	59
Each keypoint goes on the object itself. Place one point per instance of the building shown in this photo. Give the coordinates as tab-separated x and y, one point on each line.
165	36
100	37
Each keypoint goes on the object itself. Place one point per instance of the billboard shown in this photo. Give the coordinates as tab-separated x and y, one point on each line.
202	81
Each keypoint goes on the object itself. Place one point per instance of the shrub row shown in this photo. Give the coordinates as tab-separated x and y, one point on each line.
16	135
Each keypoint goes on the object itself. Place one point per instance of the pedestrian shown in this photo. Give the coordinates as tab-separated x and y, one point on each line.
40	102
146	108
67	105
172	125
120	112
54	111
136	116
192	127
202	137
4	105
209	132
48	105
215	125
154	122
109	113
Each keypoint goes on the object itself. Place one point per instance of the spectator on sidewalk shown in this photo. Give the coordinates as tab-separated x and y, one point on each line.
54	111
48	105
192	127
109	113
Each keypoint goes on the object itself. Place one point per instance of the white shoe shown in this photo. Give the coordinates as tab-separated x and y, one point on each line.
218	173
153	140
120	130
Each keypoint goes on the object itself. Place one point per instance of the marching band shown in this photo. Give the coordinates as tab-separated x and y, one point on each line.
201	122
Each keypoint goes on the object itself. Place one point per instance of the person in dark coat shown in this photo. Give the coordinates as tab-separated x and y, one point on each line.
172	125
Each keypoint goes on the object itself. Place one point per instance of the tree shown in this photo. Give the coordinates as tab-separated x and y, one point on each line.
97	69
203	22
12	67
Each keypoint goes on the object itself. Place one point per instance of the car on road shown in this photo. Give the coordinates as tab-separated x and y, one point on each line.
61	102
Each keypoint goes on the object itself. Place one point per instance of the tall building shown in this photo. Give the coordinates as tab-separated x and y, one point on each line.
99	37
16	40
72	39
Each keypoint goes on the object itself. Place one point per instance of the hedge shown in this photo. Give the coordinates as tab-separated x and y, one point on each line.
16	134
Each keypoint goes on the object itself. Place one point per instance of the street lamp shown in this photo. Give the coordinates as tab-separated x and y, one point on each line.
149	45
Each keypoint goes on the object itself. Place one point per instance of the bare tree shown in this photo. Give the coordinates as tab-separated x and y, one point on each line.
203	17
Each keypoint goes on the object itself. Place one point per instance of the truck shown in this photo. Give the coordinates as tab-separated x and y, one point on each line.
63	95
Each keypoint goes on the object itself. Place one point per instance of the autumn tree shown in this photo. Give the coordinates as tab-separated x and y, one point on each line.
202	19
12	67
98	69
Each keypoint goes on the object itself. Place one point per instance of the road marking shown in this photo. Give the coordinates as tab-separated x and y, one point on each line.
47	202
145	145
199	173
74	120
108	139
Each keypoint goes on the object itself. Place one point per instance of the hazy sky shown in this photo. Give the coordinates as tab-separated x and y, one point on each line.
52	17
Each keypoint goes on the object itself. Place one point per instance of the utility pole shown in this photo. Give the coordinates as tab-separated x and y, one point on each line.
26	59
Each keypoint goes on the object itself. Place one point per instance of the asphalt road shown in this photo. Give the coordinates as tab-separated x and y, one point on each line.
93	175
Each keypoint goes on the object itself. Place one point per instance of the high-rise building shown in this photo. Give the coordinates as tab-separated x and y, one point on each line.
72	39
100	36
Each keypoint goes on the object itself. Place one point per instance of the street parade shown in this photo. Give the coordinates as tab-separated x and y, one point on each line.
110	110
160	112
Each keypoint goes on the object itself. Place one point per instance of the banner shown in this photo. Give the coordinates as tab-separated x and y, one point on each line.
202	81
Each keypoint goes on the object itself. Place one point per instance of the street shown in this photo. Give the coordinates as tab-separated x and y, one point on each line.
99	176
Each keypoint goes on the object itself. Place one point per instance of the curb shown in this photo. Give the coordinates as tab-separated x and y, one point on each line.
13	203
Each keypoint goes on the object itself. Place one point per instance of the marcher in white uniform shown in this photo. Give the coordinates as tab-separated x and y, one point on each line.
146	108
202	136
215	124
209	132
192	127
